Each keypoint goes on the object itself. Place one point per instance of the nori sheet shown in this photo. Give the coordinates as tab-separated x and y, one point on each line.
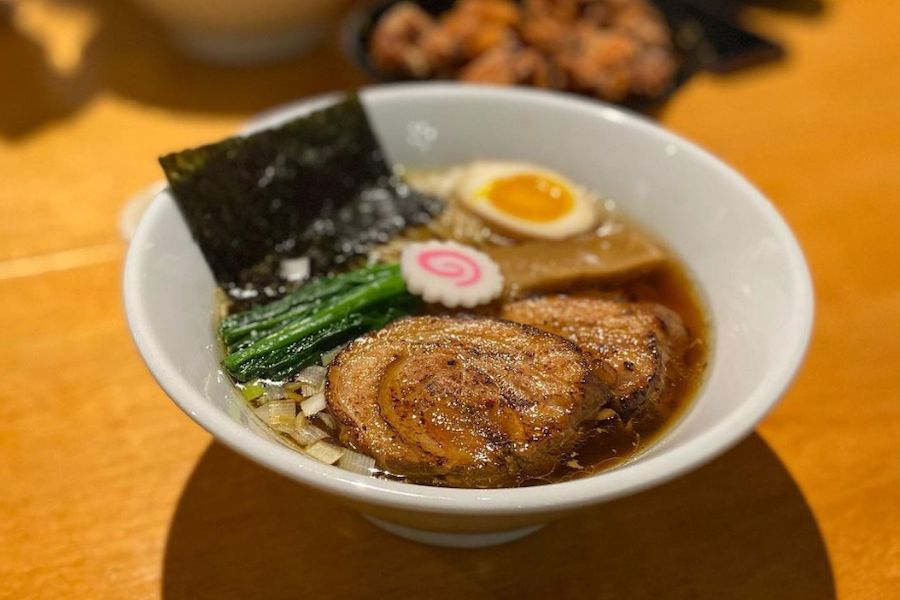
318	186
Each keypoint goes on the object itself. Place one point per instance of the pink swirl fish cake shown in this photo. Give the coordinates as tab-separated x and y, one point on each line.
450	274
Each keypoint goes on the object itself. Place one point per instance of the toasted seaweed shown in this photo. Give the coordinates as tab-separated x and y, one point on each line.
317	187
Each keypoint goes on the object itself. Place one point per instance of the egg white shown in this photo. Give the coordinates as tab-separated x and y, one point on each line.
476	178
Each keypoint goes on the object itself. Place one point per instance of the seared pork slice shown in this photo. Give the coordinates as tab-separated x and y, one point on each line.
637	347
478	402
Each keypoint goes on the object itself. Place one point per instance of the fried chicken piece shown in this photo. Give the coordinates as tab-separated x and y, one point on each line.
565	11
545	33
481	25
612	49
599	14
443	52
635	17
408	42
653	71
643	21
599	61
475	36
496	11
510	65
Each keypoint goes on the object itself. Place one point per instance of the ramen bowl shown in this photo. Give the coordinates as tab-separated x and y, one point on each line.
743	259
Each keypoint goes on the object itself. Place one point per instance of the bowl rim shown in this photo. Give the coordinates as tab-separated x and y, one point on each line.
640	475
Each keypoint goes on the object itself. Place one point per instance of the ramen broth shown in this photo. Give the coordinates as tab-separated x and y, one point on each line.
609	441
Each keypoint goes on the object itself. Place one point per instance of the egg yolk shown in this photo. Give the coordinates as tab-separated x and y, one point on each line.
530	197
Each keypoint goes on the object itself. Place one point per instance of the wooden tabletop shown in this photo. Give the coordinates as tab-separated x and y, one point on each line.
108	491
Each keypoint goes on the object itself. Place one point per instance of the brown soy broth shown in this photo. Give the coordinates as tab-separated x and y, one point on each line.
608	442
611	443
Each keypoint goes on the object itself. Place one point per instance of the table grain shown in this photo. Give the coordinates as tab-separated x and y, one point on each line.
108	491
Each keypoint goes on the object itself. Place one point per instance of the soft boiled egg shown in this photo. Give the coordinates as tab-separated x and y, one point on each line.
525	201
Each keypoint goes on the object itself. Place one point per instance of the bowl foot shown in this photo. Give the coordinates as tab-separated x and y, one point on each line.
453	540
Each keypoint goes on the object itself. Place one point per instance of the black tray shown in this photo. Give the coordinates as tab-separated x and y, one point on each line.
703	41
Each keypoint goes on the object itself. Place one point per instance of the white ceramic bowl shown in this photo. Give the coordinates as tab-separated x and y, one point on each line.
742	255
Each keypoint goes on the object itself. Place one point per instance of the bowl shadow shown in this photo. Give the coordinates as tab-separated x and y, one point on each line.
737	528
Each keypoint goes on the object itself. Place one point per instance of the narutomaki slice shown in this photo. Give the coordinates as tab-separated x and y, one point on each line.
476	402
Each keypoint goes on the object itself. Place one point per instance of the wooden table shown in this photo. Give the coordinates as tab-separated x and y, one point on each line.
108	491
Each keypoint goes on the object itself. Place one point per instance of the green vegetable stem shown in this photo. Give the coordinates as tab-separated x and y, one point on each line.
276	340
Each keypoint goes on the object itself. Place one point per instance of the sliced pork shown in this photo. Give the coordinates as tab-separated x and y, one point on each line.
472	402
636	347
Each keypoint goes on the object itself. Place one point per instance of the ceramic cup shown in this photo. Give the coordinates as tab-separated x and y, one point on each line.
241	32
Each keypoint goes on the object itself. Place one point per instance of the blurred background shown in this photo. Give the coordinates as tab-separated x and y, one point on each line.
108	491
131	78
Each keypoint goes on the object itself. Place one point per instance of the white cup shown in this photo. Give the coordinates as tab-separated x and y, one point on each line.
238	32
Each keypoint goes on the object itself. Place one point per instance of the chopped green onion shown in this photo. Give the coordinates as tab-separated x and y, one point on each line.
356	462
325	452
328	357
300	421
308	390
270	393
327	420
313	405
309	381
307	435
252	390
278	414
313	375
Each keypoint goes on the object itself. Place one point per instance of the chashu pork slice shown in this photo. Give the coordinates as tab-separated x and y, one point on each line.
637	347
476	402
